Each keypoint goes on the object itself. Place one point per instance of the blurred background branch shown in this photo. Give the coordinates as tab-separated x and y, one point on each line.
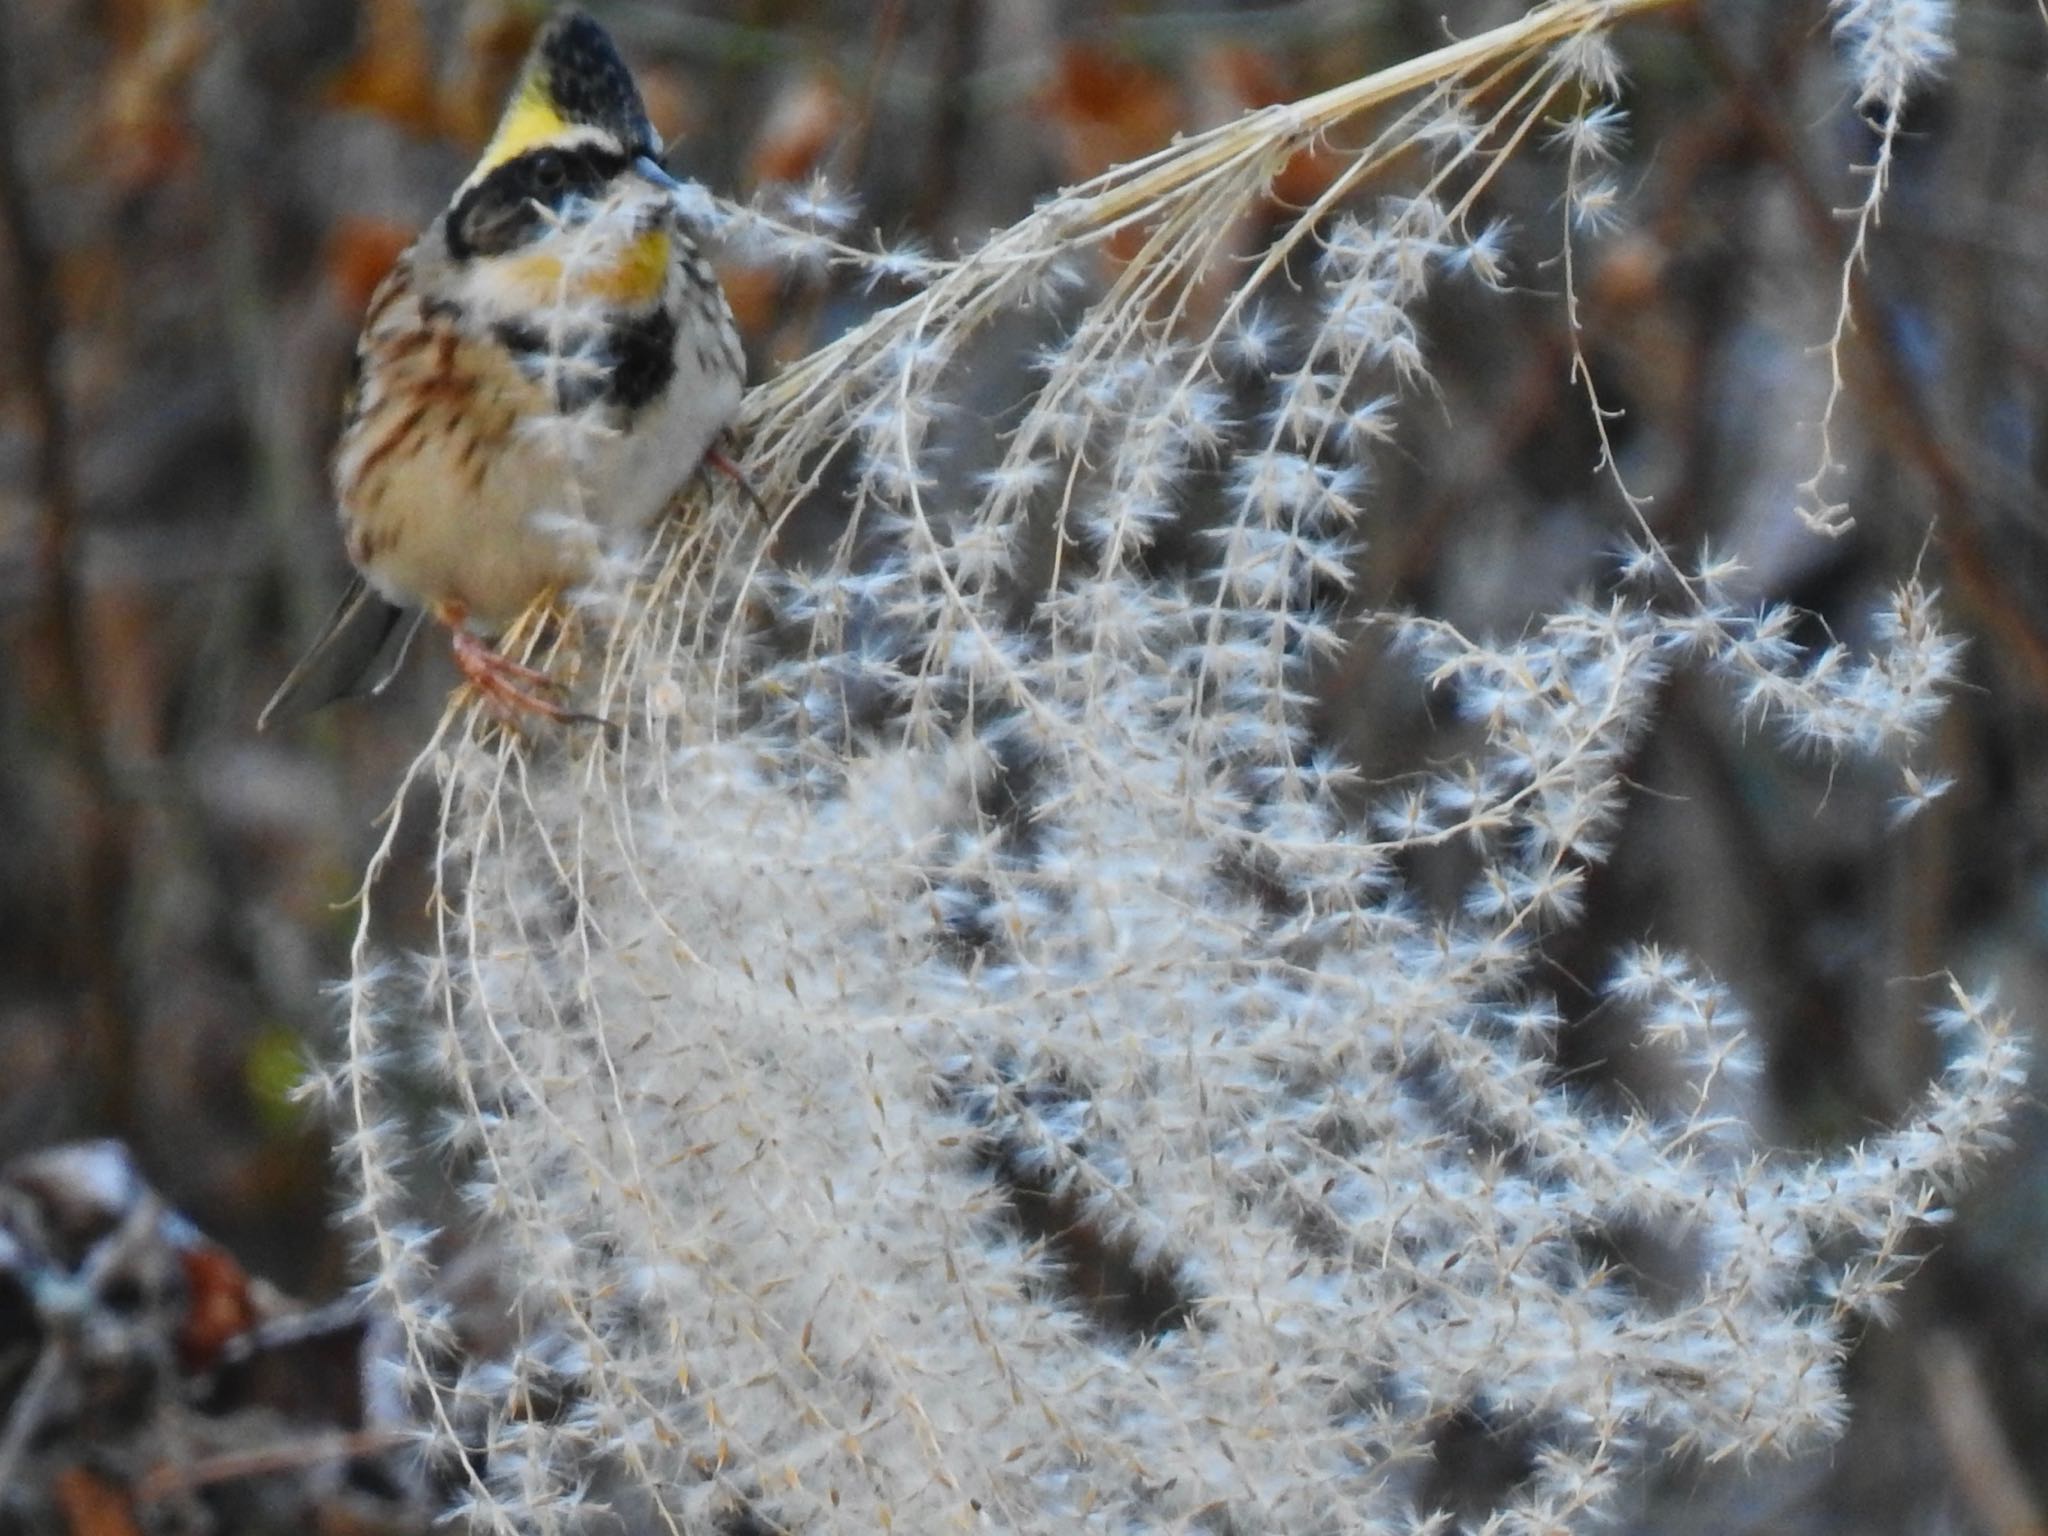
96	868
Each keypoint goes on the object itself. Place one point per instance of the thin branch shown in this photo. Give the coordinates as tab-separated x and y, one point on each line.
165	1481
1888	389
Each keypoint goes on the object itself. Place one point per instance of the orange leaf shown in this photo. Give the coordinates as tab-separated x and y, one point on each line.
1238	78
1108	110
142	107
392	73
1628	274
359	252
803	121
92	1506
217	1307
755	294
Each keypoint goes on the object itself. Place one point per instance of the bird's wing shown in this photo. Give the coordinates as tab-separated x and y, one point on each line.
340	659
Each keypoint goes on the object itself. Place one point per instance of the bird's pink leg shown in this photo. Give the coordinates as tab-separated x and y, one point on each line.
508	686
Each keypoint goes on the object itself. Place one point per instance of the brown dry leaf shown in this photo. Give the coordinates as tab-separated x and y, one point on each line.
1234	78
92	1506
1628	273
218	1305
805	119
755	294
1624	291
671	104
1106	110
392	73
359	251
142	130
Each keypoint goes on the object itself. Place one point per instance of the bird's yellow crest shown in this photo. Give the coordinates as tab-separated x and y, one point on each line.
573	84
531	120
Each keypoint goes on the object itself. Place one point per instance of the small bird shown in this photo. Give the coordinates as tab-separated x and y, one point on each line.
540	372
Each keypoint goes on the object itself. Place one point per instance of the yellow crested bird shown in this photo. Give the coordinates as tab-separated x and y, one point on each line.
542	370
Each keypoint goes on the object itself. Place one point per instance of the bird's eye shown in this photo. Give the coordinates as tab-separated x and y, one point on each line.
549	171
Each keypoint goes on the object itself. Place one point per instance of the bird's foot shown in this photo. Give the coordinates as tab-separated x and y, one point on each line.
509	688
717	458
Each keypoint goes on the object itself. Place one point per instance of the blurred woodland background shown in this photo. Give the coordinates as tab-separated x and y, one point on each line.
197	198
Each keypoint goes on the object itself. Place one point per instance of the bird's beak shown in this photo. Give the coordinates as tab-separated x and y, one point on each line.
650	167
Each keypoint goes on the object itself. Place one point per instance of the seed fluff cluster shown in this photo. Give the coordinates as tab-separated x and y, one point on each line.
972	1056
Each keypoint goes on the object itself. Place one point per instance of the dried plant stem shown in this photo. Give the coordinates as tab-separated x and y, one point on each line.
935	879
1980	579
1137	191
172	1479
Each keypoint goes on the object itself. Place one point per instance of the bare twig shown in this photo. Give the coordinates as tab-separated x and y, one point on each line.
1889	391
166	1481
